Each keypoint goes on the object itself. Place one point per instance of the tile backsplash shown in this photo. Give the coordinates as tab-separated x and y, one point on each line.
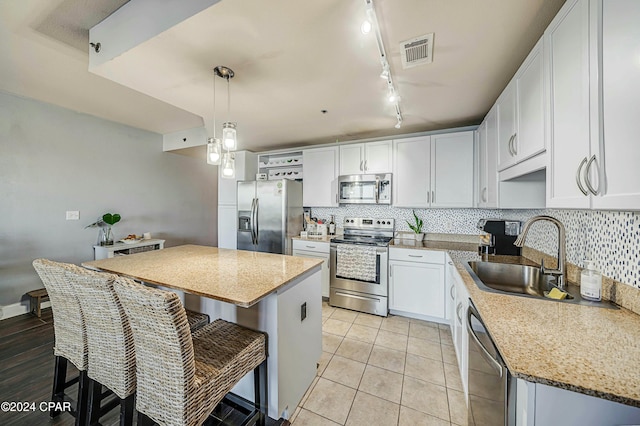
612	239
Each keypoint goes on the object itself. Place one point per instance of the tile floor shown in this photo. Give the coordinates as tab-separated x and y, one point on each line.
383	371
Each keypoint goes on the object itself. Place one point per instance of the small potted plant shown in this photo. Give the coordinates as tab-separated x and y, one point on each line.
416	227
105	238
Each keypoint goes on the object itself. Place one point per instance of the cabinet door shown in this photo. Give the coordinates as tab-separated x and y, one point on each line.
450	296
417	288
506	107
319	177
491	193
351	159
452	170
411	176
377	157
617	180
325	267
482	164
530	106
227	227
566	54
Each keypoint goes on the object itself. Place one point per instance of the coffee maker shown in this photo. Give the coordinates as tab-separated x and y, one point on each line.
501	236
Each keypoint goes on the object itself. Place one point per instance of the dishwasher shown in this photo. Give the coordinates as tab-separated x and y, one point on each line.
490	387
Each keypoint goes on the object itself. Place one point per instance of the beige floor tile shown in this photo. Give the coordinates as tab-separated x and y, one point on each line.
424	396
427	332
457	407
423	322
392	340
388	359
452	377
411	417
425	348
323	362
445	337
337	327
382	383
444	326
368	320
396	325
362	333
326	309
425	369
449	354
355	350
344	315
330	342
308	392
307	418
344	371
369	410
330	400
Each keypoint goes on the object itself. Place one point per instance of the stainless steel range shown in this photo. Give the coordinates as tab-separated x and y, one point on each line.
358	264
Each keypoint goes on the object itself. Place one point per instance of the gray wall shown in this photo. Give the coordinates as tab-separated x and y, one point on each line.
53	160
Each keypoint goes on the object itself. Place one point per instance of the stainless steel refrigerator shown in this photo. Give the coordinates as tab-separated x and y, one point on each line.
269	214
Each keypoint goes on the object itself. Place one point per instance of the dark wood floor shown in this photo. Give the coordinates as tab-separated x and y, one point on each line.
26	373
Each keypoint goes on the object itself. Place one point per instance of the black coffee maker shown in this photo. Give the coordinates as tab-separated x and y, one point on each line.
502	235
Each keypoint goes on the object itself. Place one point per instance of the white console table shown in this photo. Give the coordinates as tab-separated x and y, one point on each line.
122	249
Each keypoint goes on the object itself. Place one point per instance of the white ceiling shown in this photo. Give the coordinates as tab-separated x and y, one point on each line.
292	59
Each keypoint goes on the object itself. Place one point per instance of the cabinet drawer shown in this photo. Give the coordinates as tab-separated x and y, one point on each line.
413	255
306	245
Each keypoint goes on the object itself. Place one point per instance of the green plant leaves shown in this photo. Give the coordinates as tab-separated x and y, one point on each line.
417	227
111	219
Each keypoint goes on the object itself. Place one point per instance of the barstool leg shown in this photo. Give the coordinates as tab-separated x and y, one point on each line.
261	384
59	380
95	399
144	420
82	407
127	409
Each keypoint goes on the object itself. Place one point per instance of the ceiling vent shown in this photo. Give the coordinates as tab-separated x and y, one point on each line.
417	51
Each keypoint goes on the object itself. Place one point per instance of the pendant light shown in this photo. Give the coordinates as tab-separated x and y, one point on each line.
228	128
228	165
214	154
215	146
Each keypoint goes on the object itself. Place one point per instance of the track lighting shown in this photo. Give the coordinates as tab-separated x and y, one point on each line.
365	28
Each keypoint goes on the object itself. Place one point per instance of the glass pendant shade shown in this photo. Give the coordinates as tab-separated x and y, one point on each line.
229	136
228	166
214	155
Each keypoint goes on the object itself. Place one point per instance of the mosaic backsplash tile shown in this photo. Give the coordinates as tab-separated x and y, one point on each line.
612	239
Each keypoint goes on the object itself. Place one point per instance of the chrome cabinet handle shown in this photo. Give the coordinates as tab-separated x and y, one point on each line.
336	198
484	194
587	180
361	164
515	145
433	196
428	197
510	146
582	163
458	312
453	287
310	247
415	255
365	165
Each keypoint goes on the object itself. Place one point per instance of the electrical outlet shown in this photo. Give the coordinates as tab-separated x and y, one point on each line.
73	215
303	311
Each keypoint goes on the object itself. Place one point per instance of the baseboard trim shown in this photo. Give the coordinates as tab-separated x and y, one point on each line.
20	308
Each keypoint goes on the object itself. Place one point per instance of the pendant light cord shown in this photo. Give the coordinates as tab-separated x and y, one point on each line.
214	106
228	99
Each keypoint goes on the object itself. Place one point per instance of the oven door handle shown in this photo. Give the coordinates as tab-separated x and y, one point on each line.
353	296
483	350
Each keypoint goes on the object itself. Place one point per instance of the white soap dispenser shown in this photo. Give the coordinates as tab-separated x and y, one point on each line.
590	282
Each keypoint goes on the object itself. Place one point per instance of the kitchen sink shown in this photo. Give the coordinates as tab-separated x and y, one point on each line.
521	280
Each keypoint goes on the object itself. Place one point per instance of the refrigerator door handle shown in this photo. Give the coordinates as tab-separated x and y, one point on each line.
253	221
256	226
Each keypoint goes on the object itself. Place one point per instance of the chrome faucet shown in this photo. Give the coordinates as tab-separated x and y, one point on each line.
559	273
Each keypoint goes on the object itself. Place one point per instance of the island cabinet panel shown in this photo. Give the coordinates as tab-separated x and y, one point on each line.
318	250
417	284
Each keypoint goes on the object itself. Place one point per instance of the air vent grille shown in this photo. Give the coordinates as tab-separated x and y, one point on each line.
417	51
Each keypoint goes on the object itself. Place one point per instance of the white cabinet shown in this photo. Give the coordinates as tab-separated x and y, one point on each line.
365	158
320	177
521	112
487	161
246	166
595	93
434	171
417	283
318	250
460	334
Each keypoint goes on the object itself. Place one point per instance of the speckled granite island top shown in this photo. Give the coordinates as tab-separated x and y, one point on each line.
234	276
584	349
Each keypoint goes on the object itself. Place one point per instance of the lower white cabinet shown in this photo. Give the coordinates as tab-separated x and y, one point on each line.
417	283
459	305
318	250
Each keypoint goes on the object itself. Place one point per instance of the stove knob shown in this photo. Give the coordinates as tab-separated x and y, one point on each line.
378	222
383	222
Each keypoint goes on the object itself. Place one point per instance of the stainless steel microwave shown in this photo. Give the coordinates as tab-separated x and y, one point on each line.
365	189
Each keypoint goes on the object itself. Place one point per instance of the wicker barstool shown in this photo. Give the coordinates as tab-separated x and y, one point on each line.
182	377
112	361
70	335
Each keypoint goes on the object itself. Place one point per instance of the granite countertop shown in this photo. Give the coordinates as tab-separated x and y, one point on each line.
584	349
234	276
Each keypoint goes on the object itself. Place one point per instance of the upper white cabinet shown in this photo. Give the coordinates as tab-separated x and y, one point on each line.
521	112
487	161
434	171
365	158
591	52
319	178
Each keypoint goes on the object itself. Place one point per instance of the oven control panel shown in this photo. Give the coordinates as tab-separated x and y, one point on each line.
368	223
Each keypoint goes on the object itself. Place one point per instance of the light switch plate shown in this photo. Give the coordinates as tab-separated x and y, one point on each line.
73	215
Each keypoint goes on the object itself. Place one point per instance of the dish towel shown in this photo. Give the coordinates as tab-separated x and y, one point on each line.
356	262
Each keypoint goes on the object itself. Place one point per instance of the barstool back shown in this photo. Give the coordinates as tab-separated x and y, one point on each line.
112	360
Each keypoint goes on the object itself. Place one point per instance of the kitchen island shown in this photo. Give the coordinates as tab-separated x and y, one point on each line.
270	292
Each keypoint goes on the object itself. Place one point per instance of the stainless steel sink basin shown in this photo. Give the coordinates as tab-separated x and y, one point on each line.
521	280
